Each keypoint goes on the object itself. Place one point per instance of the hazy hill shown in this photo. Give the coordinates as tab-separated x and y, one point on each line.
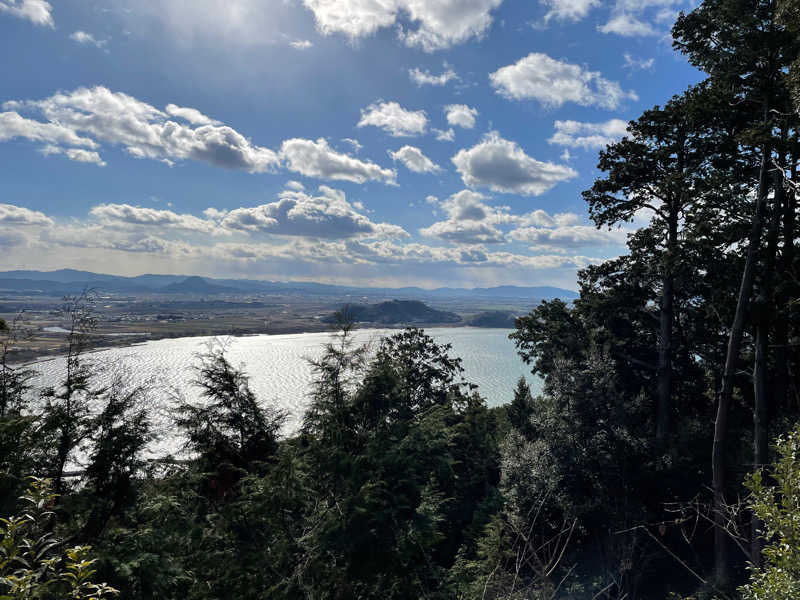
395	312
493	318
71	281
195	285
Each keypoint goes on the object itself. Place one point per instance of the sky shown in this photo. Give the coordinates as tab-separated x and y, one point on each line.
370	142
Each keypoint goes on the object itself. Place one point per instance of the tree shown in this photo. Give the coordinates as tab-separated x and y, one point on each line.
521	408
403	463
17	440
663	167
122	431
744	49
66	421
230	432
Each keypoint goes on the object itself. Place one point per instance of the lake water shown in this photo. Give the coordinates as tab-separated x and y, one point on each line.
279	370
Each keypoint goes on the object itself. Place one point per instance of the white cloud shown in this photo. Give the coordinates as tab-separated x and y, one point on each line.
427	78
576	134
568	10
75	154
461	115
553	82
21	216
469	220
444	136
570	237
627	25
301	44
501	165
295	185
125	215
87	39
194	116
144	131
37	12
354	143
13	125
318	159
638	63
415	160
464	232
429	24
85	156
394	119
631	18
327	215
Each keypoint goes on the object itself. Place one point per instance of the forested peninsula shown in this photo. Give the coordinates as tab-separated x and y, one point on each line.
660	460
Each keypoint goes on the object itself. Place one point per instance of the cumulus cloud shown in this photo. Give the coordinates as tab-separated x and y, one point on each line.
461	115
301	44
21	216
469	220
576	134
327	215
75	154
427	24
568	10
501	165
125	215
632	18
37	12
194	116
144	131
444	136
569	237
322	235
553	83
627	25
394	119
415	160
318	159
84	38
427	78
13	125
472	220
465	232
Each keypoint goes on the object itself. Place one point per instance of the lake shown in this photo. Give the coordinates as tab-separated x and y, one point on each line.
279	370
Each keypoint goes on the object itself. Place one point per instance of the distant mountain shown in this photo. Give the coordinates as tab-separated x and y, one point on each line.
493	318
395	312
195	285
72	281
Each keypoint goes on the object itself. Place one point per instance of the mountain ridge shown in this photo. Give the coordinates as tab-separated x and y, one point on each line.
70	280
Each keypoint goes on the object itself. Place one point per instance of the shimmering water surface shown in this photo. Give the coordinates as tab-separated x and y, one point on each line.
279	370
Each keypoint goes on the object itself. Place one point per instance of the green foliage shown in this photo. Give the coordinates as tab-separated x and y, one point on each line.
31	564
778	507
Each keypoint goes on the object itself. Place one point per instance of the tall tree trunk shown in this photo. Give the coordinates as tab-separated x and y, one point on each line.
721	541
783	294
665	343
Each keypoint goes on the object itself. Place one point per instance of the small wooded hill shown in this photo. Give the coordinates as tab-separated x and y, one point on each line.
395	312
196	285
493	318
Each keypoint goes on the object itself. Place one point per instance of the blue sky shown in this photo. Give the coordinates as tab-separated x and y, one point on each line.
378	142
